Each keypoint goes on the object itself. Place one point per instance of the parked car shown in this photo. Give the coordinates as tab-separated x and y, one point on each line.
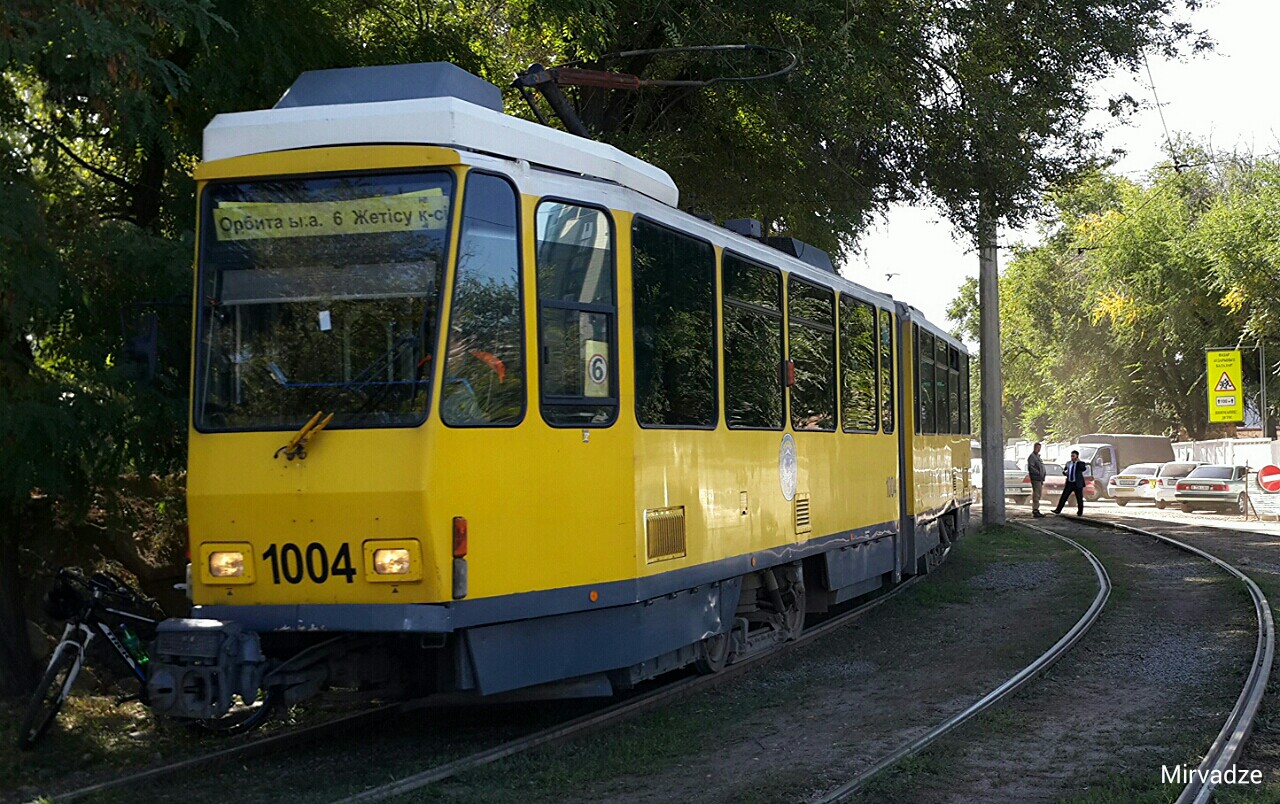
1107	452
1017	483
1214	487
1167	480
1055	481
1136	482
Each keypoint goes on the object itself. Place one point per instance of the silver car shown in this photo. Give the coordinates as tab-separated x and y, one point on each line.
1136	482
1218	488
1167	480
1017	483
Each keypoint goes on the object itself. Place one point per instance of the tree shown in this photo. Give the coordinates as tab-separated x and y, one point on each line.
102	106
1005	119
1106	321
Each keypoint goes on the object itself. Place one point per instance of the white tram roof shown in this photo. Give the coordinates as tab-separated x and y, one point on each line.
343	118
384	105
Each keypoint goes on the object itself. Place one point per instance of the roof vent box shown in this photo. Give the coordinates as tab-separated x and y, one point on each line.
803	251
390	82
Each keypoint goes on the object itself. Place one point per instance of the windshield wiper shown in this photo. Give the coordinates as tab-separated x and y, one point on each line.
297	446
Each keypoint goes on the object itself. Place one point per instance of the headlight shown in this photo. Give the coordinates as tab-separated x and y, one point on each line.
223	563
392	561
226	564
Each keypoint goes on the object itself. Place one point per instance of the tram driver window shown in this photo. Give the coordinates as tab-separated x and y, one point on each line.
484	360
577	315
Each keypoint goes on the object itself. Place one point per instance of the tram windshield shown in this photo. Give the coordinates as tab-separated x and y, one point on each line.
320	294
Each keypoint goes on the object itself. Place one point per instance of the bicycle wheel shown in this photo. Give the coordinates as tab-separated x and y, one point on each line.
52	691
244	716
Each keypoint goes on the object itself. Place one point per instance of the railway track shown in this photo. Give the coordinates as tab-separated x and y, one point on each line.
1014	683
1222	753
1227	744
1230	740
614	713
261	746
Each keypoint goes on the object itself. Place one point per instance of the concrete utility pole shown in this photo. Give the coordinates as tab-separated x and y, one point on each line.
1262	376
992	378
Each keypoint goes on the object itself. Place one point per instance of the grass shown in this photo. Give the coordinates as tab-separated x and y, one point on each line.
94	735
932	768
680	736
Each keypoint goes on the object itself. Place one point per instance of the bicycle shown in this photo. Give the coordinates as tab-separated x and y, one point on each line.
100	604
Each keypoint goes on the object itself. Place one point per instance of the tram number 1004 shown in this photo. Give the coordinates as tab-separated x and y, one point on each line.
293	563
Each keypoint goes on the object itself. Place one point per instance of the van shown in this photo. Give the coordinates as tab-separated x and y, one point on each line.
1108	453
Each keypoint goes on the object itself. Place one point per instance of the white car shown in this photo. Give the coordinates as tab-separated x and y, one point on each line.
1167	480
1136	482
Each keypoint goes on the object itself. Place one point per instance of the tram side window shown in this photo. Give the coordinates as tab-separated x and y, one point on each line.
752	344
940	383
927	410
886	371
577	315
953	389
857	365
812	333
674	306
484	368
917	415
965	400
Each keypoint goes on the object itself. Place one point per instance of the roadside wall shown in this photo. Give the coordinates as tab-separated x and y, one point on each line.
1253	452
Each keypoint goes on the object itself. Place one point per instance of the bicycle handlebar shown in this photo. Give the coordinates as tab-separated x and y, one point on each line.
109	585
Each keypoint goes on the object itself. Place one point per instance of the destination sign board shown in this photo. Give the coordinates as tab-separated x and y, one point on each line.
257	220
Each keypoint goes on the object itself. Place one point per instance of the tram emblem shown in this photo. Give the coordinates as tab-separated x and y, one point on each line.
787	466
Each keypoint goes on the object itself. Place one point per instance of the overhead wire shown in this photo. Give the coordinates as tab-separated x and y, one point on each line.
1160	110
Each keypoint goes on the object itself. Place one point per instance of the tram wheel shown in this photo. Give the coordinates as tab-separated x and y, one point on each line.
714	654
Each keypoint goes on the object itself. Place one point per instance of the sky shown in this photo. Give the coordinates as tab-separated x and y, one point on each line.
1224	97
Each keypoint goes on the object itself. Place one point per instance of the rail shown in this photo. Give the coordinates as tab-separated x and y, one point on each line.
1010	686
615	713
1227	746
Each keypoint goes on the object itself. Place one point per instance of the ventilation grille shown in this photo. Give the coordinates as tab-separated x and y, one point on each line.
664	532
802	513
189	644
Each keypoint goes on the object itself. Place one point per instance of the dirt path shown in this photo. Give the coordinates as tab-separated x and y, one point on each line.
1149	686
815	717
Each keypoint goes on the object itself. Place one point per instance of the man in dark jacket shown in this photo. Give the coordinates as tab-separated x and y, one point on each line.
1035	471
1074	471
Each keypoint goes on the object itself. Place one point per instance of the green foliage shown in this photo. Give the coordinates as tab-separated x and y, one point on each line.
1104	324
102	106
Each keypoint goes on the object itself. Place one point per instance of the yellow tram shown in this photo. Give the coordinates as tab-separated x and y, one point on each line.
477	408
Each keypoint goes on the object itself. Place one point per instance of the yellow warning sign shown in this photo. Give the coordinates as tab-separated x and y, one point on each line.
406	212
1226	402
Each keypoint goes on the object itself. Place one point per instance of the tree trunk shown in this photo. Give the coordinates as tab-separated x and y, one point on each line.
17	665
